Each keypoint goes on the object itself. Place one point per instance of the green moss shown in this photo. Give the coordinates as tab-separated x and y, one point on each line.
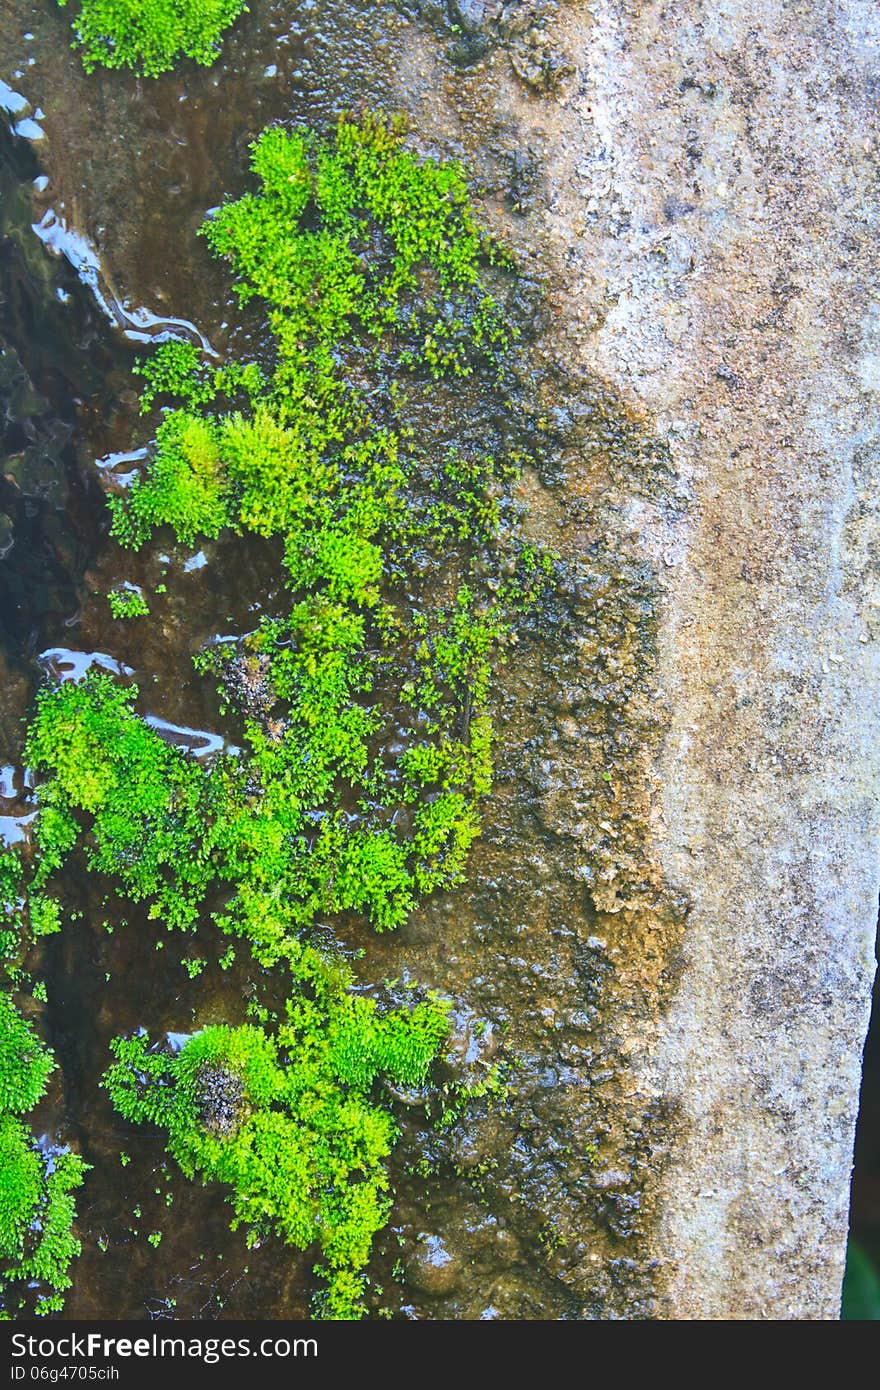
290	1121
340	241
150	804
128	602
12	903
25	1062
185	488
367	733
366	257
36	1203
37	1208
149	36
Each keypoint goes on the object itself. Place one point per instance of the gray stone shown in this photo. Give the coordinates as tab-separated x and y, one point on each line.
757	122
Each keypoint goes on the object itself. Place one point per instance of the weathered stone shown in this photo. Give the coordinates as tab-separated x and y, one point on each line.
752	341
680	863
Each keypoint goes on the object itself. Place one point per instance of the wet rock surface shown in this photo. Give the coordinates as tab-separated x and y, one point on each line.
666	931
431	1268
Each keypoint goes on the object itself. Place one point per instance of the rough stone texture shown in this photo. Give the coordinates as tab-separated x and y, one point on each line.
697	184
727	163
703	179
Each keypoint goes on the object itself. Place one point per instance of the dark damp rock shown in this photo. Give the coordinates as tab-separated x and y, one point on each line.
474	27
468	49
432	1268
510	1298
410	1096
469	15
220	1100
469	21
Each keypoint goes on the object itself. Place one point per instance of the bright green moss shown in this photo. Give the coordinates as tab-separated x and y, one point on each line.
357	234
152	807
290	1121
363	253
37	1209
149	36
128	602
45	915
36	1203
364	700
11	902
186	489
37	1212
20	1186
25	1062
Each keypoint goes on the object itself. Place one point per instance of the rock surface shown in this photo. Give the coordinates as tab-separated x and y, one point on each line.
675	905
705	183
726	161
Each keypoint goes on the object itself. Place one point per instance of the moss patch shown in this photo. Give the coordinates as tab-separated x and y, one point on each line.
36	1203
289	1120
363	697
149	36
